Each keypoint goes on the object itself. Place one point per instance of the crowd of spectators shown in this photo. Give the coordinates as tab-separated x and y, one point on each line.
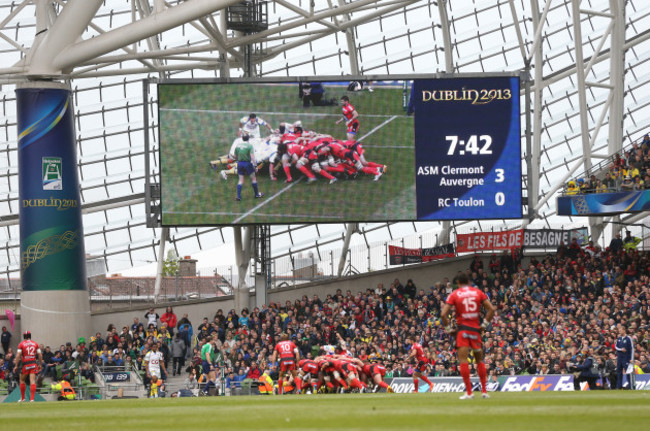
628	172
552	312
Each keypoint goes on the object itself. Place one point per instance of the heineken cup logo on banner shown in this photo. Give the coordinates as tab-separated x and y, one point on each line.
52	177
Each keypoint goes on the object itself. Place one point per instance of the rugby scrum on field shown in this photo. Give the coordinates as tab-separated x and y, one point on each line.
290	149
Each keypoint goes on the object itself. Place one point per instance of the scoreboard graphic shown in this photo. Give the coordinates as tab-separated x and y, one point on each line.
468	148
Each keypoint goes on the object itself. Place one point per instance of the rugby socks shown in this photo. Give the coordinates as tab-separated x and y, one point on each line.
482	375
238	191
355	383
464	372
337	168
305	171
416	383
32	391
383	384
255	189
23	386
324	173
287	171
280	386
370	171
298	384
375	165
426	379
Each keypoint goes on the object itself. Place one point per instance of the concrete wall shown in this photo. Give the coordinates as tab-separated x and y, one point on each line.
424	276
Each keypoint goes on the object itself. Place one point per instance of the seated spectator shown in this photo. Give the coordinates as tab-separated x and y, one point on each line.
627	184
610	182
572	188
254	372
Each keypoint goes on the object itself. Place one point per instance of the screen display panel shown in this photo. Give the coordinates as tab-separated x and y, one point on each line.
331	151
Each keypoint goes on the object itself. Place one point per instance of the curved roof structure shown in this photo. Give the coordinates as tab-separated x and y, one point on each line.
587	60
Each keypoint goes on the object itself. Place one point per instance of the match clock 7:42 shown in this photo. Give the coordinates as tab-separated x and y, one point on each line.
474	145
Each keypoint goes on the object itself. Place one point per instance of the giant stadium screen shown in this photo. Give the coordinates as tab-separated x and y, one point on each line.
331	150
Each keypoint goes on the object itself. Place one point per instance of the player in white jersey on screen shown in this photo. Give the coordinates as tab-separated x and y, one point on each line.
250	124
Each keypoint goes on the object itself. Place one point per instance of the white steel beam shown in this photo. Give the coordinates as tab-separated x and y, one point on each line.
68	54
275	50
348	8
67	29
536	151
445	232
581	83
617	80
164	235
352	48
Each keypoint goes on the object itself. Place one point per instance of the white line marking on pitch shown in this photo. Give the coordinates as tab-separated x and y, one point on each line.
377	128
260	205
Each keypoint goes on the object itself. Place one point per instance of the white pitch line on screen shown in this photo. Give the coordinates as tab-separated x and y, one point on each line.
377	128
297	114
265	215
265	201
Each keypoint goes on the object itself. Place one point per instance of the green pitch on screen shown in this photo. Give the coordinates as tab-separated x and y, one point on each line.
199	122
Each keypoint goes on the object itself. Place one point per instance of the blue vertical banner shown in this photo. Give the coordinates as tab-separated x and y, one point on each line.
468	148
51	232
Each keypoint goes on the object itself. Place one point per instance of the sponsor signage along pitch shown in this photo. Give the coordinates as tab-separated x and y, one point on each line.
404	385
116	377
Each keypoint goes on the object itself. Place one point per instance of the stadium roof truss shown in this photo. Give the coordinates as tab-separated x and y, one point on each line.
587	61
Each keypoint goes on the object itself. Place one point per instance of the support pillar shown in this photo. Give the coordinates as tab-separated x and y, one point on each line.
55	304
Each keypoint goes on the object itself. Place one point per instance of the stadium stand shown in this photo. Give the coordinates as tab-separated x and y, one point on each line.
626	172
552	311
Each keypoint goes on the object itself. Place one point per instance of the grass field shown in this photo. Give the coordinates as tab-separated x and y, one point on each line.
199	122
581	411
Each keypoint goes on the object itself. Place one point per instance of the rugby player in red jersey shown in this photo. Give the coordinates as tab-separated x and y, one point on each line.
289	153
289	357
28	352
351	366
417	352
308	373
311	156
359	154
350	116
376	373
467	300
334	368
344	153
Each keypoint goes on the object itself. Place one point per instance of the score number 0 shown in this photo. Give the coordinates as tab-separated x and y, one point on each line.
472	147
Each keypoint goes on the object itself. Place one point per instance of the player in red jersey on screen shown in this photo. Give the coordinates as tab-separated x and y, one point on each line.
350	116
467	300
417	352
289	357
32	358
